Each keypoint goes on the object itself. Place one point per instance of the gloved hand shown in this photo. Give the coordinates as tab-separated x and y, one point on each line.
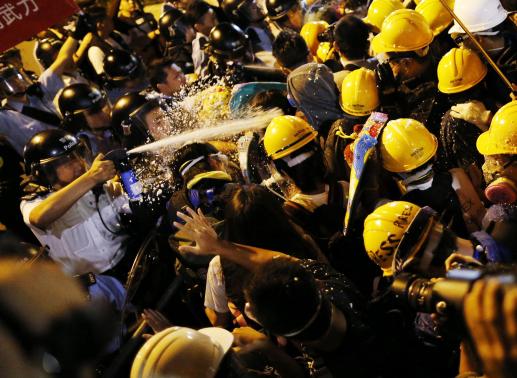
473	112
83	25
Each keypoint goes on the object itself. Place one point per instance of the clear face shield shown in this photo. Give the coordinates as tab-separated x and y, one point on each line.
62	170
13	82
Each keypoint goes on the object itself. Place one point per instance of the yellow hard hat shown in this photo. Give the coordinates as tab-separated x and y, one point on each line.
501	137
459	70
379	10
359	93
324	51
286	134
384	229
435	14
406	145
183	353
403	30
310	32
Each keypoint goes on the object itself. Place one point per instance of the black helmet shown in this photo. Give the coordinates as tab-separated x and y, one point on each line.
167	23
45	149
120	65
127	119
277	9
228	41
47	50
78	98
239	10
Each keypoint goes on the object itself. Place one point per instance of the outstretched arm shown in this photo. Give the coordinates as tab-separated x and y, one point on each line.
198	229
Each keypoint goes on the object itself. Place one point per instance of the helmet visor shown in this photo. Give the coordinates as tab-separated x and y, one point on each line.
13	82
62	170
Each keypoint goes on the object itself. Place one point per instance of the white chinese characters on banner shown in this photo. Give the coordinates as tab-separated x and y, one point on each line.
10	13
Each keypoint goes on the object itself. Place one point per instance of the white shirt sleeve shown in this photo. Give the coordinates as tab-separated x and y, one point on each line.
215	291
96	58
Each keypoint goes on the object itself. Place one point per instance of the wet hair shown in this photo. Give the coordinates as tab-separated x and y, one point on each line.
272	98
290	49
351	37
255	216
458	144
283	296
157	71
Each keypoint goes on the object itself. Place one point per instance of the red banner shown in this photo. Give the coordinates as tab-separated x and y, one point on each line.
22	19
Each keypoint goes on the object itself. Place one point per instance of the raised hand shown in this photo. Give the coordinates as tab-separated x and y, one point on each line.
198	229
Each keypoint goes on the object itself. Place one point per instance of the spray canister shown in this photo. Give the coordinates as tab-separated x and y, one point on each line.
132	186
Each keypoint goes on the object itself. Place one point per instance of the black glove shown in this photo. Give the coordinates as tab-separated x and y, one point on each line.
83	25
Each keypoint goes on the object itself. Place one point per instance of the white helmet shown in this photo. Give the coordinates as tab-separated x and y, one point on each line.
180	352
478	15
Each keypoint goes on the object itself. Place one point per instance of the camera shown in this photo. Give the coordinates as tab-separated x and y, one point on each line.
445	295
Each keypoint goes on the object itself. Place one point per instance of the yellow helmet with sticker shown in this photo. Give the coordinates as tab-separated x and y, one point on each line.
405	145
384	229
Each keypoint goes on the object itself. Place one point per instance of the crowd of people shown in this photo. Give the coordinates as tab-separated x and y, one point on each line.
363	225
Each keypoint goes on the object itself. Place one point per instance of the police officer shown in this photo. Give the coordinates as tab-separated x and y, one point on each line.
249	15
28	107
285	13
86	113
123	72
228	48
136	120
177	35
67	211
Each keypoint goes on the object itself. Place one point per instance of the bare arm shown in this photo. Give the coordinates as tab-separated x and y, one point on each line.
54	206
83	48
65	56
218	319
199	230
